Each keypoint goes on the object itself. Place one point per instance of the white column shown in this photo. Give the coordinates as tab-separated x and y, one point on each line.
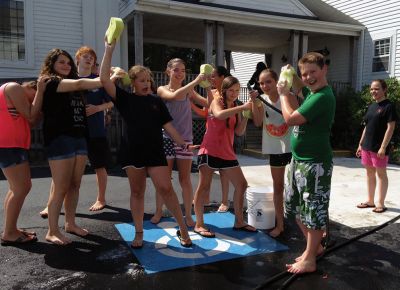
220	44
138	36
294	49
303	44
208	41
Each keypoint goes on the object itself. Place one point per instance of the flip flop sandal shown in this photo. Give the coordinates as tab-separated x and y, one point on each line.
365	205
244	229
187	243
202	233
223	208
379	209
19	241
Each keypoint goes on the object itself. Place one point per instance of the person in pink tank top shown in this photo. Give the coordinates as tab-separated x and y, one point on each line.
216	153
19	107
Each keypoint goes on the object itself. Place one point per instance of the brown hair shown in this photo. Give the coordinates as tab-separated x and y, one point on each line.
137	69
270	72
312	57
50	60
383	85
226	84
85	49
171	62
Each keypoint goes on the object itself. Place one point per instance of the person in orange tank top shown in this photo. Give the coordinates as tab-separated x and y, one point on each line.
216	153
19	107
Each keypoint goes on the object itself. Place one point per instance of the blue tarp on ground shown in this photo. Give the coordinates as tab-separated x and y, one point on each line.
162	251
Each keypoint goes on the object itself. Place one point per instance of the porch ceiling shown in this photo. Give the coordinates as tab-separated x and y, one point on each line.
189	32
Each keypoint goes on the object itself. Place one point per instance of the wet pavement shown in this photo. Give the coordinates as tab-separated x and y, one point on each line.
102	260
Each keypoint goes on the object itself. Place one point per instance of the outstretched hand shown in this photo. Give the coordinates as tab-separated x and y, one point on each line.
193	147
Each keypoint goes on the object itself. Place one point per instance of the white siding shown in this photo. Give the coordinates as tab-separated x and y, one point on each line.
244	65
381	20
55	24
280	6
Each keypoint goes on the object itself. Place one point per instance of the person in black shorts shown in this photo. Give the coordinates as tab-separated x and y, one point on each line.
145	116
97	102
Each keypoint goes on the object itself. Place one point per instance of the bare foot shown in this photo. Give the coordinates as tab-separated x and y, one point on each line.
276	232
156	218
44	213
98	205
320	251
301	267
137	242
58	239
74	229
189	221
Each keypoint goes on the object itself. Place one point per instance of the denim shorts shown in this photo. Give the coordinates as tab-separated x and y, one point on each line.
12	156
64	147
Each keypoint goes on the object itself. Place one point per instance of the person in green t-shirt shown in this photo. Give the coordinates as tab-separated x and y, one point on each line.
309	178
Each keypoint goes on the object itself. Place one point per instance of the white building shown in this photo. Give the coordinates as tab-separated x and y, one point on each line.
280	30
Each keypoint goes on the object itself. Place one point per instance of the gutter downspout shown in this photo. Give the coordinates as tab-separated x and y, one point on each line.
361	61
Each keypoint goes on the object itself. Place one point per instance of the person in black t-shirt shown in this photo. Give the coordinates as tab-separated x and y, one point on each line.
373	148
64	130
145	116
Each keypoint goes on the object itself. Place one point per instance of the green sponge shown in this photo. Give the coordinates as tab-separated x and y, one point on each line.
287	75
207	70
115	29
247	114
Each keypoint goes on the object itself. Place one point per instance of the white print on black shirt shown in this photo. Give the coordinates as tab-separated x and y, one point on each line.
78	108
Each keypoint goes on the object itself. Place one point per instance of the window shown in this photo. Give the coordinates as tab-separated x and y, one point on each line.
380	61
12	31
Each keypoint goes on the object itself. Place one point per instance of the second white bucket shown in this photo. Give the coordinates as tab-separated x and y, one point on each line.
260	207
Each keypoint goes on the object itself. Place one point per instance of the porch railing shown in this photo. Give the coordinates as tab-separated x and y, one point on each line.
116	129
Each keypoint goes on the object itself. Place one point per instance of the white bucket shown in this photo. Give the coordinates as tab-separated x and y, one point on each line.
260	207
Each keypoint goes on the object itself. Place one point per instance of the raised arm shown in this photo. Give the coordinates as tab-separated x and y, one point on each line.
220	113
257	109
70	85
289	107
17	96
241	125
180	93
107	83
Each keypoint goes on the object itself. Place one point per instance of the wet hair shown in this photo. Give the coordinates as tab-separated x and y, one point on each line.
270	72
383	85
226	84
312	58
50	60
85	49
222	71
30	84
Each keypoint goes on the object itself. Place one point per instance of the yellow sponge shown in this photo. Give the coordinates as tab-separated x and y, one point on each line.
115	29
207	70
